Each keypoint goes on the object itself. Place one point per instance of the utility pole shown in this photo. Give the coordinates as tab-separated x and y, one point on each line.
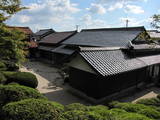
127	21
77	28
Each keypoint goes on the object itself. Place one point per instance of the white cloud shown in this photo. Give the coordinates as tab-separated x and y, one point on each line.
47	13
134	22
117	5
97	8
89	22
24	19
134	9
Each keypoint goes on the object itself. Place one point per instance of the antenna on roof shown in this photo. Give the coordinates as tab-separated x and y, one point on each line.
77	28
127	21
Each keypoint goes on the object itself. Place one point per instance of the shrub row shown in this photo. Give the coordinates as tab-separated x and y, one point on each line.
22	78
12	93
32	109
138	108
25	103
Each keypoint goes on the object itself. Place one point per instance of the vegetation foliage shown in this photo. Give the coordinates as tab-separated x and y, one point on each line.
31	109
156	21
12	93
23	78
11	41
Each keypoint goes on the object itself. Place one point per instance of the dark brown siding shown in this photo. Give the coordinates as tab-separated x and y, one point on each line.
99	87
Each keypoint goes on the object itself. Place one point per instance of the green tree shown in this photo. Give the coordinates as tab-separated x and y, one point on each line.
11	41
156	21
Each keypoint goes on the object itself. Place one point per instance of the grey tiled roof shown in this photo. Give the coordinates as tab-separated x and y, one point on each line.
46	48
44	31
154	33
114	37
56	37
111	62
150	60
63	50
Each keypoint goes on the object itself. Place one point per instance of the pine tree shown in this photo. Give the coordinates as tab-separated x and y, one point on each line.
11	41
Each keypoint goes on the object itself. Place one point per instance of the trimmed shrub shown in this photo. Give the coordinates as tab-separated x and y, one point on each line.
121	114
76	106
132	116
88	115
11	93
23	78
97	108
3	80
8	74
150	101
11	66
158	96
138	108
31	109
74	115
3	67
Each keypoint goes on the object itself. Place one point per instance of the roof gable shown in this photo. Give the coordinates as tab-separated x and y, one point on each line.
109	37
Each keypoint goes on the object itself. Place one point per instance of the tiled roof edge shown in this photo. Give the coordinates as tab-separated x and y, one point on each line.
120	28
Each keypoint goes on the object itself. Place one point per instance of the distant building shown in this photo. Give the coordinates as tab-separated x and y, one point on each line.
154	34
42	33
51	49
26	30
108	37
112	60
100	72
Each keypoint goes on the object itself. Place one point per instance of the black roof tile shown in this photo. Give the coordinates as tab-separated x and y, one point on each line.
111	37
111	62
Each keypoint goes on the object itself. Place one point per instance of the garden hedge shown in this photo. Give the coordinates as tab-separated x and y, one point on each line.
3	80
138	108
23	78
11	65
76	106
31	109
150	102
11	93
3	67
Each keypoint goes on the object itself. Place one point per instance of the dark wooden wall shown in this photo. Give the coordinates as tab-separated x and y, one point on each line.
98	87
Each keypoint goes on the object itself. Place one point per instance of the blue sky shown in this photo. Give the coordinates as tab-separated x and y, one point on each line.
64	15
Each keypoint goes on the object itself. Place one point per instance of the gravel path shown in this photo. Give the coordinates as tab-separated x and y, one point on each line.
51	83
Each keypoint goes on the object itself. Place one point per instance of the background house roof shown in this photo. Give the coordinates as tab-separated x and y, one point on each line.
154	33
109	37
26	30
151	60
111	62
56	37
44	31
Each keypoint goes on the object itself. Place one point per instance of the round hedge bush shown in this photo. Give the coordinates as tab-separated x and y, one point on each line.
74	115
23	78
31	109
148	111
87	115
3	80
76	106
11	93
11	65
150	102
3	67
